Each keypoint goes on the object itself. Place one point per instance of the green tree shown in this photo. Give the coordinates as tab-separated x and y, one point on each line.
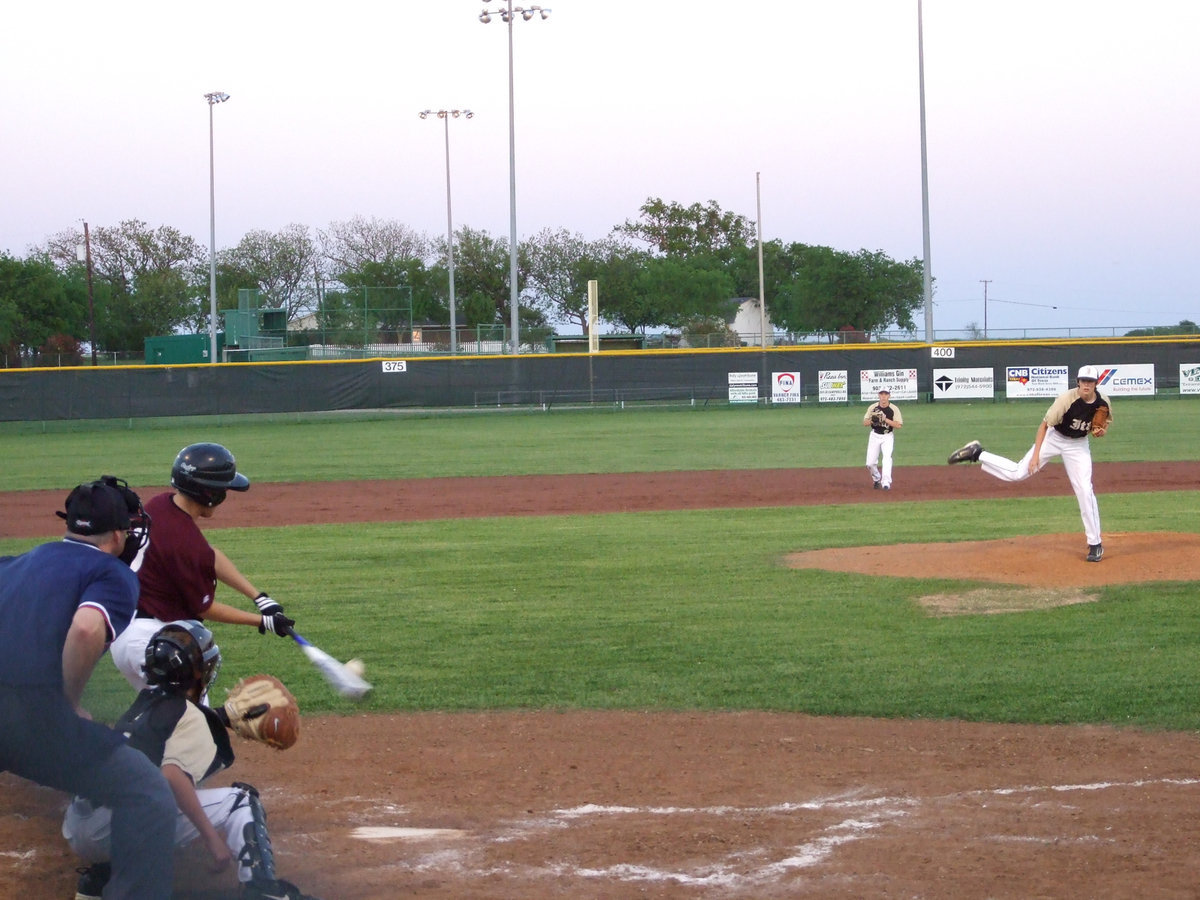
648	291
560	263
371	253
283	265
672	229
37	303
831	290
1185	326
151	280
481	266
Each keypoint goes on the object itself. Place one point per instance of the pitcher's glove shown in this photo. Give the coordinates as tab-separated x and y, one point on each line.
260	708
1100	421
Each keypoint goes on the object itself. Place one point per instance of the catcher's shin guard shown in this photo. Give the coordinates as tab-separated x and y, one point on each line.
256	853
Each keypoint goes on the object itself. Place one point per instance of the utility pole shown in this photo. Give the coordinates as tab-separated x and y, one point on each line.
87	249
985	282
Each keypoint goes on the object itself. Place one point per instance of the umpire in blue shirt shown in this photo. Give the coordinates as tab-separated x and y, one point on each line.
61	605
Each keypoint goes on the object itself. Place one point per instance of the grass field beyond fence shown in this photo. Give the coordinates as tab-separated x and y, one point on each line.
679	610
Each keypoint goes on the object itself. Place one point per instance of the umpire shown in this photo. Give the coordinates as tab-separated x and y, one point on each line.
61	604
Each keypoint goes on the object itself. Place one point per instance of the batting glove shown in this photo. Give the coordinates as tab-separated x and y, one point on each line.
266	605
276	623
273	619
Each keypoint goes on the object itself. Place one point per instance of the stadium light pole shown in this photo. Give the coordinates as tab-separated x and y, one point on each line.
927	280
213	99
507	14
446	115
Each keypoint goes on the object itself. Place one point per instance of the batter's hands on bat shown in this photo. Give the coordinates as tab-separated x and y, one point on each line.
273	619
276	623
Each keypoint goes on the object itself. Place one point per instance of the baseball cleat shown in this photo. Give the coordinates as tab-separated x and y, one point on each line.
273	889
967	453
876	485
887	487
1095	552
92	880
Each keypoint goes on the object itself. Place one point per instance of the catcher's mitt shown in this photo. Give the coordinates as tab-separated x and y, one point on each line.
260	708
1100	420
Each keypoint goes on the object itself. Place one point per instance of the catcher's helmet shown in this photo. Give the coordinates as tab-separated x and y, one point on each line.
181	655
205	472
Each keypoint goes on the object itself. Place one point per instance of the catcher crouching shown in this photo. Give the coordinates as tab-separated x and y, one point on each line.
189	741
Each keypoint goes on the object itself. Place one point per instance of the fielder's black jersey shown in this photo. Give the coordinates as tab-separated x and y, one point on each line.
170	728
891	414
1071	417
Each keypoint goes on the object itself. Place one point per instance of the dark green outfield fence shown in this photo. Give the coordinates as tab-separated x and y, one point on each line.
611	377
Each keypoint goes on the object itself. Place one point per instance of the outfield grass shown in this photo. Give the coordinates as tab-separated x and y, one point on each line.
684	610
325	448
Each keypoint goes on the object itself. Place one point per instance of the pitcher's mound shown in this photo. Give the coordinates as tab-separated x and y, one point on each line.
1041	570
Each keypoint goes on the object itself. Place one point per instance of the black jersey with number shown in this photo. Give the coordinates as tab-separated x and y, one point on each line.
1076	419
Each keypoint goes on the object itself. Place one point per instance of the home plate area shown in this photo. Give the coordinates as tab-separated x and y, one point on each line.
684	805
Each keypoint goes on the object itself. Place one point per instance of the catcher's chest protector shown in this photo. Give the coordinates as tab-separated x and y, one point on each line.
153	718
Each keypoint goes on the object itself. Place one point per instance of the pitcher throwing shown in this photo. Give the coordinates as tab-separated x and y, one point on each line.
1063	432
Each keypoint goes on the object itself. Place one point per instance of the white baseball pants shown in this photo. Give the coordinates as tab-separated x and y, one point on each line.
1076	455
880	445
88	829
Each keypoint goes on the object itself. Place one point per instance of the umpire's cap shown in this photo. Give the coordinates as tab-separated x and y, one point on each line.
99	507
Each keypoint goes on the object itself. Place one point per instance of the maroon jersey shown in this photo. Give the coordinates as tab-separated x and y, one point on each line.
177	570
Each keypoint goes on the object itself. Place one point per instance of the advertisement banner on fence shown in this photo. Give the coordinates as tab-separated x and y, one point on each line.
1189	378
956	384
743	387
785	387
1127	381
833	386
1036	381
901	382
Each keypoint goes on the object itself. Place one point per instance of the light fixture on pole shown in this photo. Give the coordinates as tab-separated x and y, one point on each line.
446	115
213	99
507	14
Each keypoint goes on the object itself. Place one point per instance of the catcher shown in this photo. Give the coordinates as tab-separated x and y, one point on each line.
189	742
1063	432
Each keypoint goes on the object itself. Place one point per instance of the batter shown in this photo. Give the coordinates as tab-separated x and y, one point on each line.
178	569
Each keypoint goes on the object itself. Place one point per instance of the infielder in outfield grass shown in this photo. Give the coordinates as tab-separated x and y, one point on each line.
1063	432
178	570
883	418
169	727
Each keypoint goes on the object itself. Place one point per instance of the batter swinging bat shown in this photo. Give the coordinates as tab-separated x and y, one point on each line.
339	677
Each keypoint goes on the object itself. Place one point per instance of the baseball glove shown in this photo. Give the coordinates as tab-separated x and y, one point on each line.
260	708
1100	420
878	418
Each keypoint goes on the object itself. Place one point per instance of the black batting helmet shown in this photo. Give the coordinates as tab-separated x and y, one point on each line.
181	655
205	472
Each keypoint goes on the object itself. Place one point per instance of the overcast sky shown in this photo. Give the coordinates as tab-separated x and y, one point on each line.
1063	134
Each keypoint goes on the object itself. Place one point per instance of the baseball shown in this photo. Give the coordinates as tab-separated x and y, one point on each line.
356	667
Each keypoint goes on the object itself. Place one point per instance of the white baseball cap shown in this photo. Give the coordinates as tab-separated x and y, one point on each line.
1088	373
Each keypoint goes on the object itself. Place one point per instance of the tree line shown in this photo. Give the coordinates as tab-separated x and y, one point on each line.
670	267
